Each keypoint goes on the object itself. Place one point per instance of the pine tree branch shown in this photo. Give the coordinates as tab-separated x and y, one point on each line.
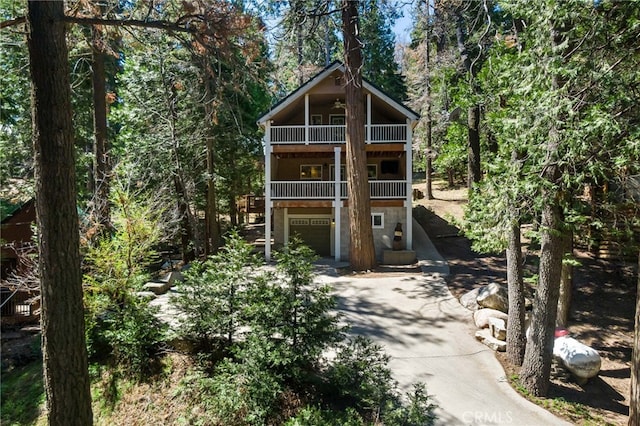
181	25
11	22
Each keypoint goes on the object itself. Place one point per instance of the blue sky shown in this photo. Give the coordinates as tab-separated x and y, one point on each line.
402	26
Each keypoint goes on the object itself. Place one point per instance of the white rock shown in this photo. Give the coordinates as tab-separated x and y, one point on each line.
468	300
581	360
172	277
498	328
494	296
157	288
146	295
481	316
485	337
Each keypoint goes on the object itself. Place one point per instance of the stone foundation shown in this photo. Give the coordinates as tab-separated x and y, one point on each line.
398	257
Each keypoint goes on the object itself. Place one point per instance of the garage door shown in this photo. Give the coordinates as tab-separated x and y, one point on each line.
315	232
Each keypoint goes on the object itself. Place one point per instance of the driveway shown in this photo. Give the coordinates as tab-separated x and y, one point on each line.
430	338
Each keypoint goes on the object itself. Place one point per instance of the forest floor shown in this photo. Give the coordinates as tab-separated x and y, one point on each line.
602	310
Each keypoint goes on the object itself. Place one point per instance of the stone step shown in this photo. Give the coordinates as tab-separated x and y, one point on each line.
164	283
157	288
484	336
146	295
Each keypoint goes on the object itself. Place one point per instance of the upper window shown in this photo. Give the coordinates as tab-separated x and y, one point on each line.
337	120
372	171
316	119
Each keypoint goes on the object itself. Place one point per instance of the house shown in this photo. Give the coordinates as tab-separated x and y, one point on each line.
17	219
305	179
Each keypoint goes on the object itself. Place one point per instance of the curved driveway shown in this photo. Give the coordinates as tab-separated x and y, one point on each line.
430	338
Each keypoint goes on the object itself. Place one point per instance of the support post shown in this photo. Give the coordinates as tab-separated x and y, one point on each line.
409	176
306	119
337	202
267	191
368	135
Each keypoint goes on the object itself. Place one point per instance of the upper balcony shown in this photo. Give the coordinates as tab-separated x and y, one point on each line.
326	190
335	134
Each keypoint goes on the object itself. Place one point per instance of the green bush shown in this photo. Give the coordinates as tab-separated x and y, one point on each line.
118	324
135	335
360	376
212	296
292	317
276	325
315	416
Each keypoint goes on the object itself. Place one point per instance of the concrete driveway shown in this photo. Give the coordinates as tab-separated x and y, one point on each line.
430	338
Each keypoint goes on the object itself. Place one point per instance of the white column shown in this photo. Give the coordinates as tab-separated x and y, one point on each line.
337	202
409	176
368	134
306	118
267	191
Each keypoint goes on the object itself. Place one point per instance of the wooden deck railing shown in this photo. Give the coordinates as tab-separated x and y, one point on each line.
300	134
325	190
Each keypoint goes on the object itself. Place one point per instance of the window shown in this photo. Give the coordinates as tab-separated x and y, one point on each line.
372	171
311	171
377	220
316	119
389	167
337	120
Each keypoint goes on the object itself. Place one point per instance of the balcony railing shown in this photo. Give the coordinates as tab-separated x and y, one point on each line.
375	133
325	190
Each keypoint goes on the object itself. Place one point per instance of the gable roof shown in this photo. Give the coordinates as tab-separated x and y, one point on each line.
10	208
315	80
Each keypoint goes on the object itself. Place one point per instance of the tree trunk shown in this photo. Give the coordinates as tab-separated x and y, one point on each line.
101	169
566	284
299	16
186	217
473	119
429	160
186	233
474	171
361	251
233	209
212	230
66	377
536	367
211	213
634	395
516	339
537	359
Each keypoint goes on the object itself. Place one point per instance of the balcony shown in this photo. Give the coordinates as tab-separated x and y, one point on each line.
336	134
325	190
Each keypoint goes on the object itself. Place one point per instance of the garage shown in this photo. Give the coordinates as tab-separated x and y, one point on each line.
314	231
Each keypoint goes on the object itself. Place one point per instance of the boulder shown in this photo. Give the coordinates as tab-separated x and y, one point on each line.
468	300
581	360
157	288
485	337
148	295
172	277
481	316
498	328
494	296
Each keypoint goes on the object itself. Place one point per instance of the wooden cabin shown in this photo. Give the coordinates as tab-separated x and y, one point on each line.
305	179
